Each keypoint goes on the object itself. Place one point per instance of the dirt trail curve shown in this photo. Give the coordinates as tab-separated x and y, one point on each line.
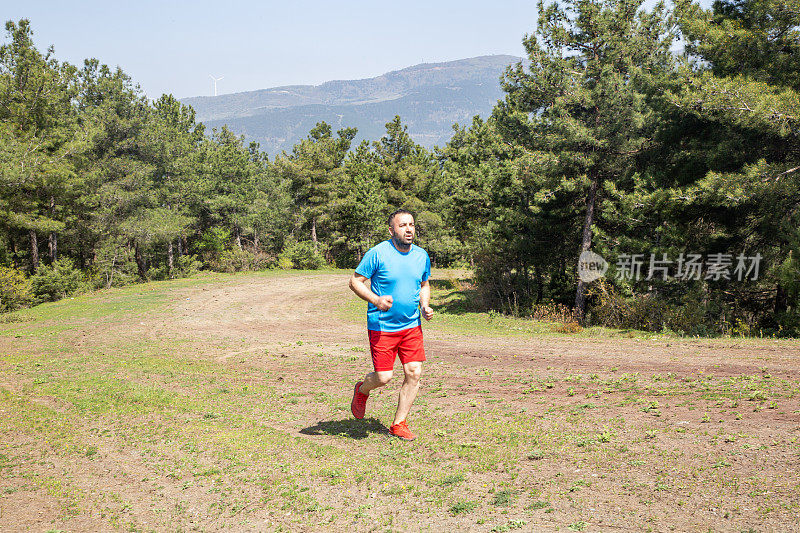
547	420
268	310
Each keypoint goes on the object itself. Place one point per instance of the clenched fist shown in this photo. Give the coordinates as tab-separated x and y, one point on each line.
384	303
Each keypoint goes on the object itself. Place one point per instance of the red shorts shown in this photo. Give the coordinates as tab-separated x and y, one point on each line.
386	345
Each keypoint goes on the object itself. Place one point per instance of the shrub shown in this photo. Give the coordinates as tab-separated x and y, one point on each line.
554	312
646	312
184	266
214	240
187	266
238	260
689	317
234	260
284	262
684	313
303	255
568	328
15	290
56	281
788	323
157	273
503	285
113	264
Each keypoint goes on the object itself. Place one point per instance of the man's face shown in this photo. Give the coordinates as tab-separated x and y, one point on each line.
402	228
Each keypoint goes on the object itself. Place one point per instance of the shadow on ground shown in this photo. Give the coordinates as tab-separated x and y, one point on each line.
458	302
350	427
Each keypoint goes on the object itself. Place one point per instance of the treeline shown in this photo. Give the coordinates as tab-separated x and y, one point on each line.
681	171
123	189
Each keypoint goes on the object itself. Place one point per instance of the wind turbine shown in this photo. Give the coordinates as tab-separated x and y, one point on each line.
215	82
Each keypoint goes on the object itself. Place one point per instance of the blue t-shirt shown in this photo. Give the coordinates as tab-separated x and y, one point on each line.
400	275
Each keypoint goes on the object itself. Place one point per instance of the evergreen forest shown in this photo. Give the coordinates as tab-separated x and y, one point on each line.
665	141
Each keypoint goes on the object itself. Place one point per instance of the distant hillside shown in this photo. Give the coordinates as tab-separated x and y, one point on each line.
430	98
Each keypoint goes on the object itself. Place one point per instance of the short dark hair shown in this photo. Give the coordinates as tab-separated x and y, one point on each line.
400	211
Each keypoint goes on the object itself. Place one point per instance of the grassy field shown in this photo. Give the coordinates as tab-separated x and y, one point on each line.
222	403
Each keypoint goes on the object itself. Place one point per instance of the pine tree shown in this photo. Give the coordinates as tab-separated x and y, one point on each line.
405	167
171	142
360	208
745	86
583	106
40	136
312	171
229	177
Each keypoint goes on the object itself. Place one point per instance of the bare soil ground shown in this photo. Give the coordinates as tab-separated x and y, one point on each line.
224	405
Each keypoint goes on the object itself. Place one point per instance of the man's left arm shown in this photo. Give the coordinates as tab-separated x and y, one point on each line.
425	300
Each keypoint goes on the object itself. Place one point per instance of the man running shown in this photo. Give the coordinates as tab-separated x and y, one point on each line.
398	272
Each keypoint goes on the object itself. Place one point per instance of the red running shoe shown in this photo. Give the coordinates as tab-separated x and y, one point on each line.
401	430
359	404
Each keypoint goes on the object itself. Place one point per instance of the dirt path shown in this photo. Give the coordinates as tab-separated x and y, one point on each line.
284	310
541	433
304	307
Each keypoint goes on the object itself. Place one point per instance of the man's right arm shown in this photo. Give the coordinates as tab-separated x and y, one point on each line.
359	286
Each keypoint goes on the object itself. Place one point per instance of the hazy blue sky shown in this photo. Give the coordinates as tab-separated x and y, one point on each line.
173	46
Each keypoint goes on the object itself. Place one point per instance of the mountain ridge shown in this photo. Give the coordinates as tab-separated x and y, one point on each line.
429	97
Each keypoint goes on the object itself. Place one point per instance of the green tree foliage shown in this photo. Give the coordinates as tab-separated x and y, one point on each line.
225	185
405	167
756	39
270	213
125	187
410	179
311	172
606	140
116	188
583	109
744	87
15	290
171	141
39	135
56	281
512	224
360	207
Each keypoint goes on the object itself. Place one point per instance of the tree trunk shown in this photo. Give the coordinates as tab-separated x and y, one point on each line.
314	232
255	240
52	243
586	244
238	237
526	279
34	251
53	240
110	275
180	246
781	299
14	251
185	244
537	275
140	263
170	262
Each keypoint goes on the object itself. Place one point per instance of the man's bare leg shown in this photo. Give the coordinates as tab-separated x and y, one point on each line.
373	380
408	391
